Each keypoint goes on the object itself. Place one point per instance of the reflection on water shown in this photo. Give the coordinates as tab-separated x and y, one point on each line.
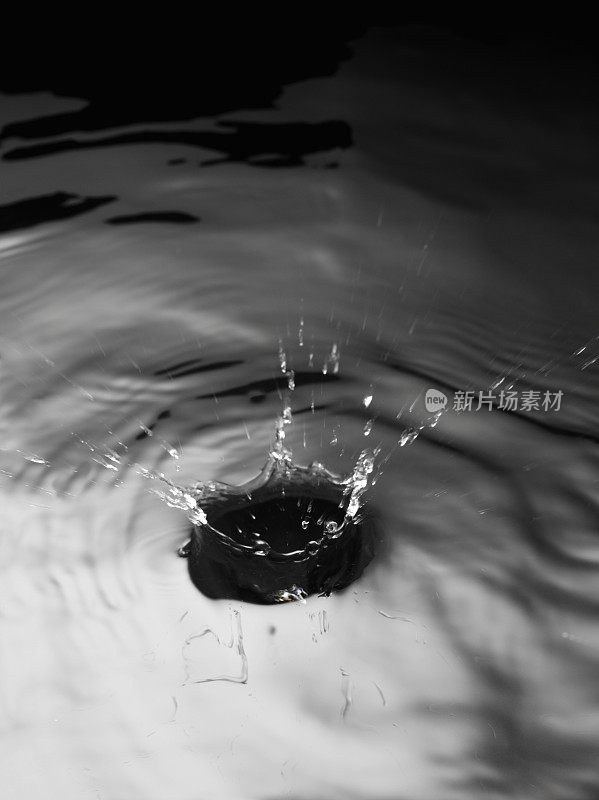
168	292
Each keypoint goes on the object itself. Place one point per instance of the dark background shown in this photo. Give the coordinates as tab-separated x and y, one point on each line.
177	66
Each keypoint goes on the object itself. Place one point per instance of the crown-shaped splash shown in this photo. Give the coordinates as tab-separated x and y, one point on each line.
288	533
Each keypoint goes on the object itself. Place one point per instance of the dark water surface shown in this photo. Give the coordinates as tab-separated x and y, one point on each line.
421	214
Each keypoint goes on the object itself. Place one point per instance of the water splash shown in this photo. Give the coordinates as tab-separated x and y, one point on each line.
357	483
175	496
279	475
279	451
288	373
204	502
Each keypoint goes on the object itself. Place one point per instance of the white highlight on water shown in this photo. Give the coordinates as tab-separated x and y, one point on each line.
331	362
293	594
358	481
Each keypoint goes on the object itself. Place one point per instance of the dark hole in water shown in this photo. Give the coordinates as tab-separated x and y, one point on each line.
279	532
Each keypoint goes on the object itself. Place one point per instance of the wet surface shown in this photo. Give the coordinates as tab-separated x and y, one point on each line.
246	299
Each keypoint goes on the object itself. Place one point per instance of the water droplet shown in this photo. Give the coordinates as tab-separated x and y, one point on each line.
357	484
293	594
331	361
145	429
282	358
408	437
34	459
261	548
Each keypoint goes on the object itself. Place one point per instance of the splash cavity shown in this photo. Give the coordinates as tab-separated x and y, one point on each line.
289	533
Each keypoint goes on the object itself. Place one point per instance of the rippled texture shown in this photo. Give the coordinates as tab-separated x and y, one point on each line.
453	247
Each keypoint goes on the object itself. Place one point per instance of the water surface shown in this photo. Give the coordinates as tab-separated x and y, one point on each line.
431	223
